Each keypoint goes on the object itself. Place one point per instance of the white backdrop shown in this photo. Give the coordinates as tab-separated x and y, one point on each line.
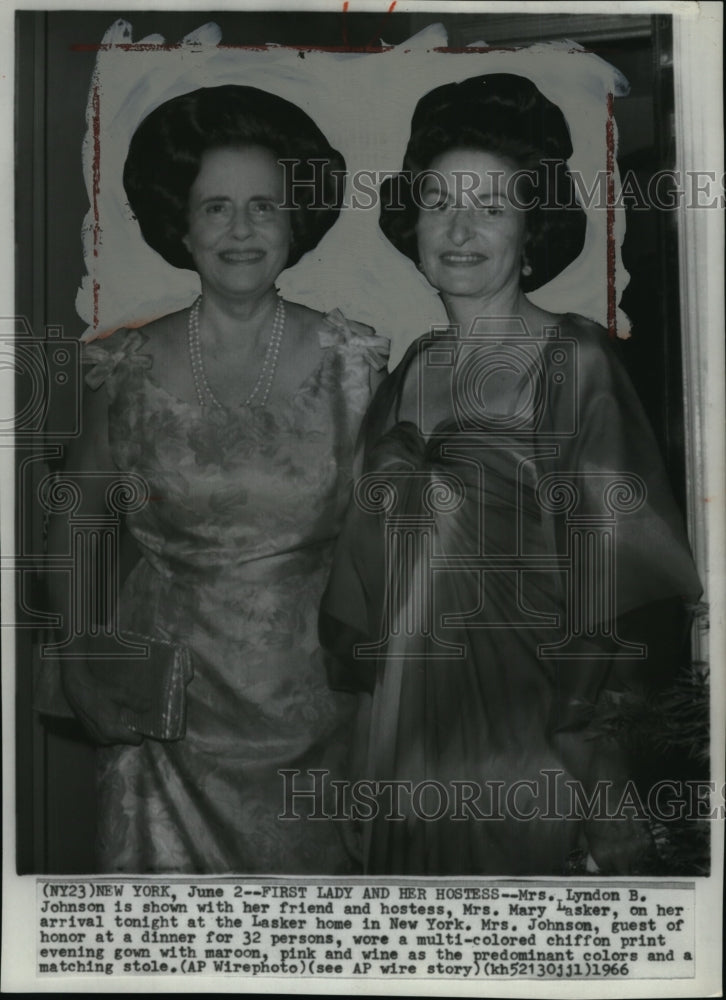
363	103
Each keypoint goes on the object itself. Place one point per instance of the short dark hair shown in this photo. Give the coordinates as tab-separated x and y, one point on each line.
506	115
166	152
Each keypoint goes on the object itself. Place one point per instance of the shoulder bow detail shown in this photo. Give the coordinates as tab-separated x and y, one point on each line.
355	338
107	360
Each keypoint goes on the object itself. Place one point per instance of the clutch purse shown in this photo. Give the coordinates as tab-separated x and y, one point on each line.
149	690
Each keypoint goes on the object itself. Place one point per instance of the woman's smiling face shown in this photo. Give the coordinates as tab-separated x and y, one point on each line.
470	235
239	237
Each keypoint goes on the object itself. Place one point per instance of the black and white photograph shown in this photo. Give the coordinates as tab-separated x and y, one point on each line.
363	499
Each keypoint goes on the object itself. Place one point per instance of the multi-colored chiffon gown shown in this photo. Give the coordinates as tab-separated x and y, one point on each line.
514	553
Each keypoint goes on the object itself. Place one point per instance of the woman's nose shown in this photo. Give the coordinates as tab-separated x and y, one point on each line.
460	228
241	225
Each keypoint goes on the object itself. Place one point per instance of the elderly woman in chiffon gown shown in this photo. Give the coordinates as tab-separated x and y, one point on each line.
241	414
514	554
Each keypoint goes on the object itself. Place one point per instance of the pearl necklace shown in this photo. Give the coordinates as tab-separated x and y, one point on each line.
269	364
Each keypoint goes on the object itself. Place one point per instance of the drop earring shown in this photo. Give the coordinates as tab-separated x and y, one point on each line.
526	267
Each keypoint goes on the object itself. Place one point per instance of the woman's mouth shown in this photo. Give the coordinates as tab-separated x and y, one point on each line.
241	256
452	259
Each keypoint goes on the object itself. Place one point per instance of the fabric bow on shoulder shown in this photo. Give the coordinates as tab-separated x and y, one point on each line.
107	360
355	338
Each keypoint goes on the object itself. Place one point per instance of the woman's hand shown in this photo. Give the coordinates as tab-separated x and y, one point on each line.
97	712
619	840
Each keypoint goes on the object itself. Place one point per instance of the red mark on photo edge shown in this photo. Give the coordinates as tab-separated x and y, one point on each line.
344	26
478	49
95	187
610	174
378	30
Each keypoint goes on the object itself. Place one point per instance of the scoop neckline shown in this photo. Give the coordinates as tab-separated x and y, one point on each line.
235	408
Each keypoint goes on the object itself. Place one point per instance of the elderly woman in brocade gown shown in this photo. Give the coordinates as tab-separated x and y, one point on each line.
241	414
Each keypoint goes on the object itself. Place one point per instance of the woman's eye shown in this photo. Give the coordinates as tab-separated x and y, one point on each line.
262	207
440	205
216	208
491	211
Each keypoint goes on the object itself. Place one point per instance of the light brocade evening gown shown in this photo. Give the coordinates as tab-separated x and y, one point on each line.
236	542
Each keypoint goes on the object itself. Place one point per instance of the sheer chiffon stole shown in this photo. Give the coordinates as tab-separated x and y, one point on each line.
442	719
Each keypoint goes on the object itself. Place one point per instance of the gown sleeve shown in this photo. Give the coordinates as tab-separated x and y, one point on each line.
613	463
616	459
352	604
104	360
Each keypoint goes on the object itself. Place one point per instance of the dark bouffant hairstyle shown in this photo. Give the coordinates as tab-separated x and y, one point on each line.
506	115
166	152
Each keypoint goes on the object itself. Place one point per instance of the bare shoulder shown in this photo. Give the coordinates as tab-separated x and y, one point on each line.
303	324
302	314
166	343
164	336
309	320
584	327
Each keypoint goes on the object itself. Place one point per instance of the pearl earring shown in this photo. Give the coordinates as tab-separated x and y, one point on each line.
526	268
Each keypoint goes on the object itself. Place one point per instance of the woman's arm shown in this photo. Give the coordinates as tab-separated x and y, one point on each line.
88	453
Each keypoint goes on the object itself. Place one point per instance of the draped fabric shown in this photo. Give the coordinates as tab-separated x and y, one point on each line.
236	540
513	552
